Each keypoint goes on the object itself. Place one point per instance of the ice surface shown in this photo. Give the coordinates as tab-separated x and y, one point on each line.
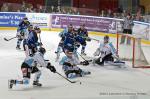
104	83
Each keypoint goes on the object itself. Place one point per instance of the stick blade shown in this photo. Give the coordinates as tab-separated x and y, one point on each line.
73	81
5	39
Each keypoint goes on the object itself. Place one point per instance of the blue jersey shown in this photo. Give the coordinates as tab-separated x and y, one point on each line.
79	39
69	41
32	38
82	33
23	25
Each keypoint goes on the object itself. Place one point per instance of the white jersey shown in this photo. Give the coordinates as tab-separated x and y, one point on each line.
39	58
36	60
105	49
73	60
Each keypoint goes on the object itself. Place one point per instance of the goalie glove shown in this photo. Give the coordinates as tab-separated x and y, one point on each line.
85	63
51	68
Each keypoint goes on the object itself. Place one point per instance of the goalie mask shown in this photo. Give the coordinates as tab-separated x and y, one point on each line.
106	39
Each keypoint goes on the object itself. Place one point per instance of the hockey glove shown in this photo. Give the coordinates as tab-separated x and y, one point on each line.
39	44
88	39
85	63
67	64
51	68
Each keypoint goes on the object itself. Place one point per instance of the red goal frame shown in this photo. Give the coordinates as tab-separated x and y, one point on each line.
133	50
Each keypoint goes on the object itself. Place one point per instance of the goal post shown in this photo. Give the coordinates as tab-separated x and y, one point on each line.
130	49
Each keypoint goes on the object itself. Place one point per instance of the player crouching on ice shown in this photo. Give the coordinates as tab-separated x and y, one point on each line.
30	65
69	65
107	54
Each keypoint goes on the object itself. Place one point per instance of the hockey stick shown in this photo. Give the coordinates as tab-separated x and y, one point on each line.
9	39
90	38
66	78
94	39
83	57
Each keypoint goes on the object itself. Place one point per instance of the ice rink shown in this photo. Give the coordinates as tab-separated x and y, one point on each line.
107	82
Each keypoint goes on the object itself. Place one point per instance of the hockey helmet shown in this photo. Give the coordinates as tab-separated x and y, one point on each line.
106	37
42	50
25	18
36	28
30	26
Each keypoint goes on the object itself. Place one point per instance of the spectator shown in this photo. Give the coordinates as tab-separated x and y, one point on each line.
58	9
109	13
120	9
5	7
138	14
23	7
31	8
63	11
40	9
115	15
76	12
52	9
27	10
69	11
102	14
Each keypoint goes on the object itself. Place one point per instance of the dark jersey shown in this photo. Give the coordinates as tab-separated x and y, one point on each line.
23	25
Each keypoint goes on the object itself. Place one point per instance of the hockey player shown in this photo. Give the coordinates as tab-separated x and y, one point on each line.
69	65
22	29
63	36
37	32
69	41
107	53
82	37
31	42
30	66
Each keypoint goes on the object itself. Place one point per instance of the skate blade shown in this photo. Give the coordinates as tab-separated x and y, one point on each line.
9	85
35	86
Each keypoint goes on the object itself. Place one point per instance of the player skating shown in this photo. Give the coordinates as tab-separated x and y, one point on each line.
31	41
63	36
37	30
21	31
82	36
30	66
107	54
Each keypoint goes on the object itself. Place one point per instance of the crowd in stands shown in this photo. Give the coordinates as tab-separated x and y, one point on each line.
119	13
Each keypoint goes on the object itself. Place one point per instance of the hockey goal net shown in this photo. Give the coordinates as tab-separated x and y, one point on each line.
131	50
